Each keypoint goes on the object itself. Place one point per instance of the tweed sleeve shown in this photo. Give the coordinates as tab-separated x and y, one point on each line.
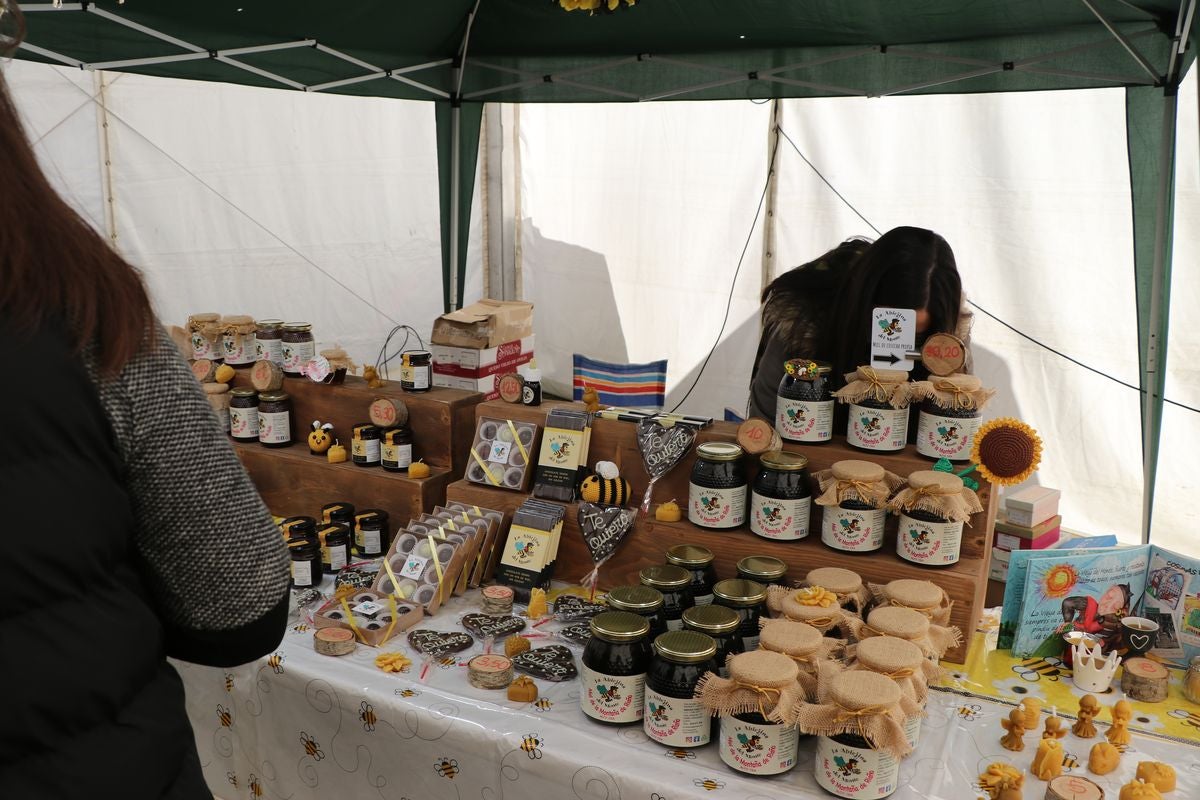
214	559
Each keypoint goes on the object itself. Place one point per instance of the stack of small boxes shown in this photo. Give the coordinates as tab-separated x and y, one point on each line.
1031	522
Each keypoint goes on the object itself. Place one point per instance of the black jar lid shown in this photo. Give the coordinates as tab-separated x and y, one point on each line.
365	430
740	592
665	576
303	547
685	647
713	620
619	626
763	569
783	461
720	451
689	555
243	392
330	509
391	435
638	599
298	526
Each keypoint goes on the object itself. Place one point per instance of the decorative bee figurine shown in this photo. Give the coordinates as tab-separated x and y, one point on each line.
321	437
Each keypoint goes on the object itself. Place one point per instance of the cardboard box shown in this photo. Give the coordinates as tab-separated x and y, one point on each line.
485	324
1006	541
1037	531
998	568
485	386
469	362
1032	505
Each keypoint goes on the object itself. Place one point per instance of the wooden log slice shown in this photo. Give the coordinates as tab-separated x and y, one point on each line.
1073	787
333	641
266	376
387	412
758	436
204	370
1145	680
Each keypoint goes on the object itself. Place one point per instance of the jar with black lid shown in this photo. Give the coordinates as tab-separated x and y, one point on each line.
641	600
717	491
268	344
748	599
675	584
306	562
722	625
699	562
243	415
299	528
274	419
613	673
364	445
397	450
371	536
416	371
672	716
298	347
804	403
335	547
781	499
762	569
338	513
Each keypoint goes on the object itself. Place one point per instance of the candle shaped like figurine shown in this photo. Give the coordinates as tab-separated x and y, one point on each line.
1048	761
1089	707
1015	725
1118	734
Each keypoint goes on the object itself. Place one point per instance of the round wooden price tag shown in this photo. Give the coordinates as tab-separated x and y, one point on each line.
333	641
387	412
758	436
943	354
266	376
1073	787
204	370
510	387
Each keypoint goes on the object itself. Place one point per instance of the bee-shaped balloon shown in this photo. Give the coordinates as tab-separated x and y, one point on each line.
233	779
446	768
224	716
367	714
311	747
532	745
321	437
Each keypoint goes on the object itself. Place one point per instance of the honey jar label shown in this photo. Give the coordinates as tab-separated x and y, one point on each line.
612	698
716	508
397	455
854	772
297	354
804	420
928	542
946	437
877	428
758	749
301	573
333	558
852	530
784	520
237	349
274	427
912	731
417	376
675	721
371	543
365	451
243	422
268	350
203	348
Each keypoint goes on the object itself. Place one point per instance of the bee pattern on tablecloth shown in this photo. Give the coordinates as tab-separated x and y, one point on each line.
446	767
708	784
543	704
275	662
682	755
224	716
366	713
656	796
1034	669
301	628
233	780
311	747
1070	762
229	681
256	789
1188	717
406	693
531	744
969	712
847	768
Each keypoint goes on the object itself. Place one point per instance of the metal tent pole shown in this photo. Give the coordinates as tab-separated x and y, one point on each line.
456	157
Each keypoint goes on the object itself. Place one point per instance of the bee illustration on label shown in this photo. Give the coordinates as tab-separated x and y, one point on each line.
1034	669
608	694
772	513
970	712
224	716
796	416
543	704
229	681
446	768
658	713
524	550
531	744
682	755
256	789
847	768
890	328
233	779
559	451
275	662
870	424
749	744
406	693
850	525
1070	762
311	747
708	784
948	433
366	712
919	538
710	503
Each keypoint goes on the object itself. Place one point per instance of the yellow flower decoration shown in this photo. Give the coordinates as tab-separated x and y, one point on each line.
816	596
393	662
592	6
1006	451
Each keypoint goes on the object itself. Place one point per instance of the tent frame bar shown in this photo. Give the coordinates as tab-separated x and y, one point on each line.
459	68
532	79
1142	61
59	57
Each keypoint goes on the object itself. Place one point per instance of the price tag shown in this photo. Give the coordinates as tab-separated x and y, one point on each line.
943	354
368	608
414	567
499	452
893	335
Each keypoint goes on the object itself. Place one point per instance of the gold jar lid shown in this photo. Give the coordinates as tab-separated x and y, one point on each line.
243	392
783	461
269	323
685	647
740	592
297	327
272	397
638	599
713	620
689	555
665	576
619	626
719	451
764	569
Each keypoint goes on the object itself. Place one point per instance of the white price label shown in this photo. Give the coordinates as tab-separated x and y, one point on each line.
893	336
414	567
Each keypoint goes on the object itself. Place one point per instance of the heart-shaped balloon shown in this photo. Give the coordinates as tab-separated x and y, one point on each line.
487	625
553	663
436	643
570	607
663	447
603	528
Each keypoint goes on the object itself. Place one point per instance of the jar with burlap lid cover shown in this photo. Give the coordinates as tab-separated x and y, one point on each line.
847	584
925	597
878	415
899	660
802	643
813	605
950	414
853	499
203	331
912	626
932	510
877	388
858	703
761	691
237	340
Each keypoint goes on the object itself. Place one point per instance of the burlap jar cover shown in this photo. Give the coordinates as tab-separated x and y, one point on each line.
925	597
904	623
238	325
852	595
957	392
338	359
889	386
759	682
856	480
812	605
860	703
897	659
207	325
802	643
939	493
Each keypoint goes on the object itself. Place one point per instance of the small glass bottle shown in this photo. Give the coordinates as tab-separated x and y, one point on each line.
672	716
306	562
1191	681
243	415
396	454
748	599
371	536
717	491
613	673
416	371
274	419
699	562
335	547
675	584
804	403
364	445
338	513
641	600
950	416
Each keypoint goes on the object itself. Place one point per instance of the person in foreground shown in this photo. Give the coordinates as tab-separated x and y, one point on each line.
822	310
132	533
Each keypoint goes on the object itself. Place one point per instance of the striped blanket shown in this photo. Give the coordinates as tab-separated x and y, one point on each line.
626	385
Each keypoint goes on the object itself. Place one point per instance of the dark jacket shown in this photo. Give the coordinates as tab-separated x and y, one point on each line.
132	533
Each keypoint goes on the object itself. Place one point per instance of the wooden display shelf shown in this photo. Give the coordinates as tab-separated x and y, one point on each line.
292	481
442	420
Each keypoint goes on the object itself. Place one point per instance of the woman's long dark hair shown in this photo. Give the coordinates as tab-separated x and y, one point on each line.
905	268
54	267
